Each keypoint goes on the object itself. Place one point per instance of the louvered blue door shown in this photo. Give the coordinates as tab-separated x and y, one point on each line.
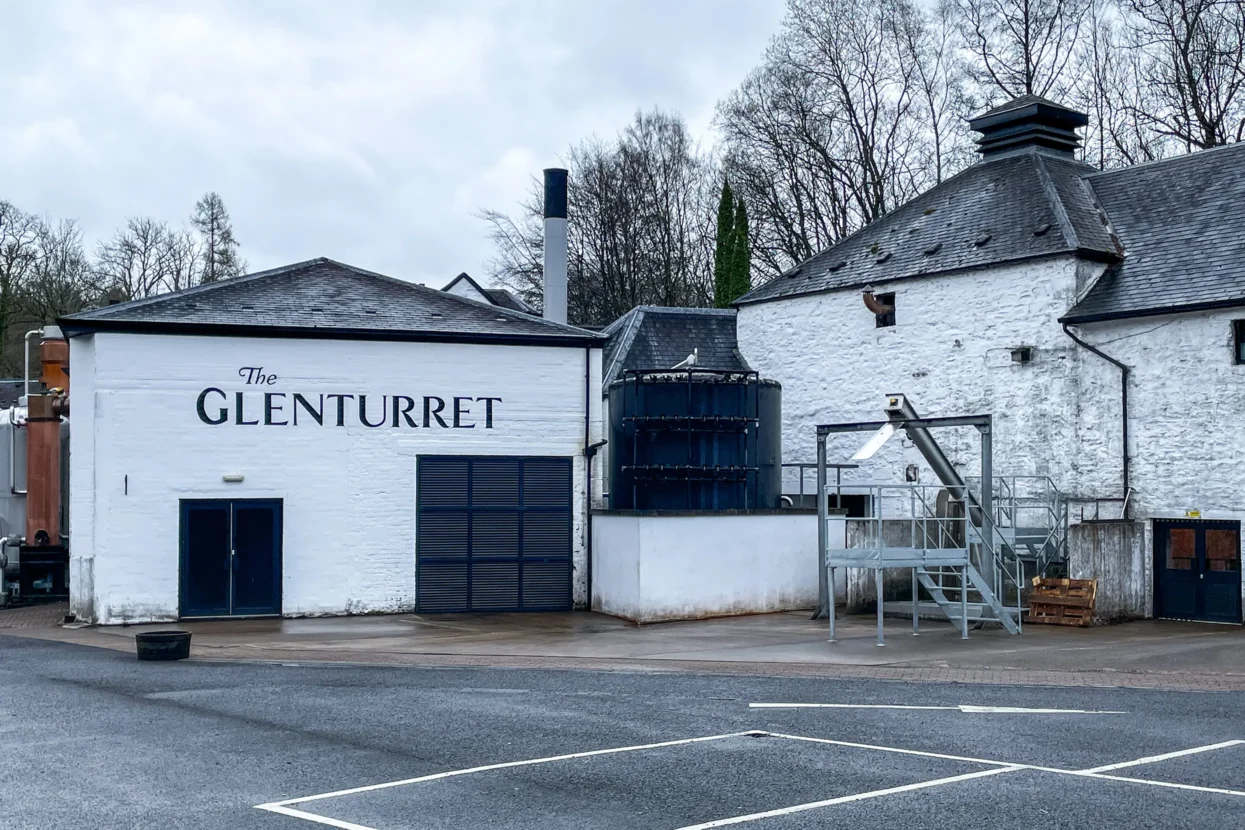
493	534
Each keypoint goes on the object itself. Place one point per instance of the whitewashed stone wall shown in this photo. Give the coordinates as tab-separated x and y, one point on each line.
950	353
139	446
1058	416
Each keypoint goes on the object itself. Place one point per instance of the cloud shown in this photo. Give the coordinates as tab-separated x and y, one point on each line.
370	132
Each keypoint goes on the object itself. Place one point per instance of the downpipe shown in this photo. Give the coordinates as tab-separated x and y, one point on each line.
1124	375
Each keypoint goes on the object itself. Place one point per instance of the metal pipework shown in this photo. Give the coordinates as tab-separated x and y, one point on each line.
13	453
26	342
899	410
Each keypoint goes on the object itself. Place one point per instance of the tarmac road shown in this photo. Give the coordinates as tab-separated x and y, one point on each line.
91	738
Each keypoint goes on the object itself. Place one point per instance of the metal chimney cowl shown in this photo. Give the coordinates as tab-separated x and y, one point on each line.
555	245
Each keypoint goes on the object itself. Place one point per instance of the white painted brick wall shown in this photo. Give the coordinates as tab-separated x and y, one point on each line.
349	492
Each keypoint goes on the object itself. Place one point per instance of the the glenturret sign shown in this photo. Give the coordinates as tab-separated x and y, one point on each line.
253	407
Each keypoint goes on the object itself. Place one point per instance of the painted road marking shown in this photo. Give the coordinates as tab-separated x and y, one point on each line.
847	799
1154	759
965	708
997	768
284	808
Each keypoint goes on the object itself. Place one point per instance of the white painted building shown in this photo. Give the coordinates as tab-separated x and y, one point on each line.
972	299
319	439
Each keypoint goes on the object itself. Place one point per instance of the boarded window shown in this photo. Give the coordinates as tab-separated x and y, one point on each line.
1181	548
1223	551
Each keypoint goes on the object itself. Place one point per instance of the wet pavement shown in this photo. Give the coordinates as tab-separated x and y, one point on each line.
1144	653
92	738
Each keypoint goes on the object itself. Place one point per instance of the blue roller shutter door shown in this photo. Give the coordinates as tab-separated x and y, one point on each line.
493	534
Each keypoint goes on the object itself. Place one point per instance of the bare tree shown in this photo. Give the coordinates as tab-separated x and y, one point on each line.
1022	47
61	280
1192	58
183	260
641	230
19	251
134	263
856	108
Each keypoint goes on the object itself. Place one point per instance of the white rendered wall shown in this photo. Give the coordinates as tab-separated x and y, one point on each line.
654	568
139	447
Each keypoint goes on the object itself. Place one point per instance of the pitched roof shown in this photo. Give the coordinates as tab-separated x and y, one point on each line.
1028	204
656	337
496	296
327	299
1182	224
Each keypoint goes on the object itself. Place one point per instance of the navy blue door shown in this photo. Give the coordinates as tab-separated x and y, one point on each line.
230	557
1197	570
493	534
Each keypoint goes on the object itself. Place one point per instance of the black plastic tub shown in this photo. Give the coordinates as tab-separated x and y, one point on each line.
163	645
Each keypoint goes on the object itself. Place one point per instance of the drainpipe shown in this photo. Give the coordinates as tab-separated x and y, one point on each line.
1124	372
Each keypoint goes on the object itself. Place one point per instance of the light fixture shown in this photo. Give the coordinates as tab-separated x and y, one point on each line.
232	478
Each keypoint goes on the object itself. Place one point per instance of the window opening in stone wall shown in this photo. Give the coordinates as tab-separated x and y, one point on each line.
886	318
1238	342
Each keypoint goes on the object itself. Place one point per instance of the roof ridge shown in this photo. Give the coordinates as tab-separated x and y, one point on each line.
1183	157
195	290
676	309
418	288
1056	203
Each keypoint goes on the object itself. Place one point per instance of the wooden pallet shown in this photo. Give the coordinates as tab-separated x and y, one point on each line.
1062	601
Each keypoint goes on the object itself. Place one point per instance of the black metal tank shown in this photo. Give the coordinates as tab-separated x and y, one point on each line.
695	440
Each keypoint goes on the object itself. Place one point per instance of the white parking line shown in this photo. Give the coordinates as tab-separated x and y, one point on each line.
965	708
997	768
847	799
437	776
1167	756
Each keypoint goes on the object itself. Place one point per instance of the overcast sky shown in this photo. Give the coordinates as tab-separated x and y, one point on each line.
369	132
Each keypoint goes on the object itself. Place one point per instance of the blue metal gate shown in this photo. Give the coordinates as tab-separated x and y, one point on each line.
493	534
230	557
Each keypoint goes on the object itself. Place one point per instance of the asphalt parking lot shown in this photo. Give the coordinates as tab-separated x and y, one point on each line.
92	738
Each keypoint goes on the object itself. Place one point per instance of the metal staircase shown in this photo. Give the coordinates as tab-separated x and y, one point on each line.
924	528
969	543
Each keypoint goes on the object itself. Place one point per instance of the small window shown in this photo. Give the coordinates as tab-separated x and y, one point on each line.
1238	341
886	318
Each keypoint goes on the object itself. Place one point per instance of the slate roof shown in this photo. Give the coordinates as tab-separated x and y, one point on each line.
1182	224
656	337
498	296
1008	208
323	298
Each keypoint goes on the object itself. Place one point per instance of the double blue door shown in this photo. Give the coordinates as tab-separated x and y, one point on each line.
493	534
1197	570
230	557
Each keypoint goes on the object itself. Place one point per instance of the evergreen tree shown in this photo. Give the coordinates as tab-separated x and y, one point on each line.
724	252
220	249
740	279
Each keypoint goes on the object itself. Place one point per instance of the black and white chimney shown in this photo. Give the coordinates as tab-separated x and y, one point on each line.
555	244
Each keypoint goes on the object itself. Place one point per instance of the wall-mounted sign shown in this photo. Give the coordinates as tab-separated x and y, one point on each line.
256	406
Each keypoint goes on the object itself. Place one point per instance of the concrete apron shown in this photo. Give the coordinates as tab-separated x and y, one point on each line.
761	644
